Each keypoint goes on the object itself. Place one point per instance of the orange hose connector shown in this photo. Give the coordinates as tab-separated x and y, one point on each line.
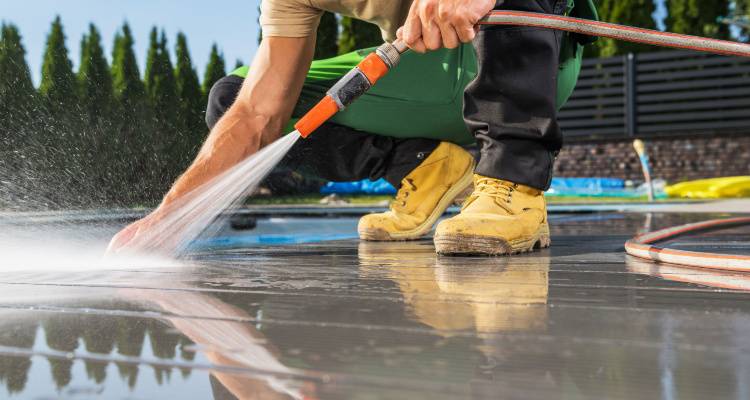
322	112
354	84
373	67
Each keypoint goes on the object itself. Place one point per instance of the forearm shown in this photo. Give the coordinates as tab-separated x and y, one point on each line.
234	138
263	106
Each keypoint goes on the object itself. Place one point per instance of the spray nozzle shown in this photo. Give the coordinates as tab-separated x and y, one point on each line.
350	87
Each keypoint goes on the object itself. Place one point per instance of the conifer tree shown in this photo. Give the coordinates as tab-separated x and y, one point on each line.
94	79
17	117
16	88
190	97
166	84
58	86
96	100
636	13
152	63
161	86
215	70
239	64
698	17
326	40
164	100
129	89
133	124
161	90
60	138
357	34
16	77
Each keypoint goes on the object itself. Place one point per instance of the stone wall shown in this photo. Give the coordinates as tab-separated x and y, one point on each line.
674	159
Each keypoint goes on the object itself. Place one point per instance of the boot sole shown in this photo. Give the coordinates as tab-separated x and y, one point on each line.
380	235
456	244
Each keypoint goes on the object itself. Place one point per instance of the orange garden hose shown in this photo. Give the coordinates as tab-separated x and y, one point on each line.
644	246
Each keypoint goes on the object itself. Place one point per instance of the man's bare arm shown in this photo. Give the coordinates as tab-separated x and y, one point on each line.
263	106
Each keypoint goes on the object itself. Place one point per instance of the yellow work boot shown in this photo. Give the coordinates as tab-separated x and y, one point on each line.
499	218
424	195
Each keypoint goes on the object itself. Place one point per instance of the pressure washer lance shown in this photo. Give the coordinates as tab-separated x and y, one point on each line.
376	65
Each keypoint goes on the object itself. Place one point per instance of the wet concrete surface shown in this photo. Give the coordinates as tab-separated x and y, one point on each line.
343	319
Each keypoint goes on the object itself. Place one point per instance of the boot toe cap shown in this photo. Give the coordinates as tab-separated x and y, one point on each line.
376	227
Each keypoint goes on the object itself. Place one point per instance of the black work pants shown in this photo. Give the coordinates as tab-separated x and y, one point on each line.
511	105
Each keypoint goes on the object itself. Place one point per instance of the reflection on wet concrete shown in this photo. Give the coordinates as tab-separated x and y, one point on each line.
705	277
485	295
61	335
350	320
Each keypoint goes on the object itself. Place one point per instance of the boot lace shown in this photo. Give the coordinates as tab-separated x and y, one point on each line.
502	192
407	186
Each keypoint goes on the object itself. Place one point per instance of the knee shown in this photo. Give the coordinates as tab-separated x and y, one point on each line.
221	97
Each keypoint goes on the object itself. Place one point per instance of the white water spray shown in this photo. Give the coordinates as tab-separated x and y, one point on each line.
194	214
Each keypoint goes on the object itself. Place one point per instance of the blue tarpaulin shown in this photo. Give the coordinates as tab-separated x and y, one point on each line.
587	184
584	187
366	186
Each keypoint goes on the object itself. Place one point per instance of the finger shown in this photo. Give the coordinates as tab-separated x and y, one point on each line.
419	46
449	36
412	31
431	36
400	34
430	30
427	11
121	239
446	14
466	33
